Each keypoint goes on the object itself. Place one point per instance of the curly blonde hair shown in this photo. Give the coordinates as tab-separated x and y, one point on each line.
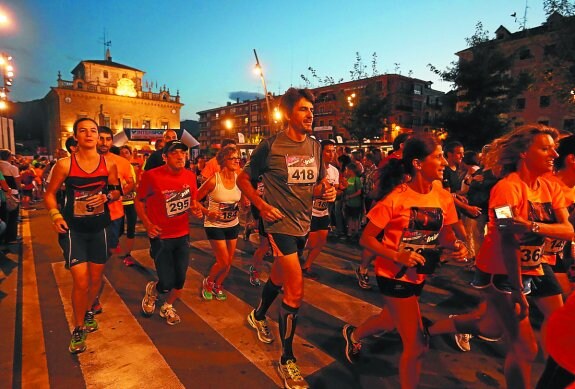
504	153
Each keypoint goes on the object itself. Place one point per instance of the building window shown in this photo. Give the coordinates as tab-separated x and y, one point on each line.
520	103
126	123
549	50
105	74
164	125
146	123
569	125
524	54
417	89
321	123
246	120
80	85
330	123
544	101
254	107
254	118
217	115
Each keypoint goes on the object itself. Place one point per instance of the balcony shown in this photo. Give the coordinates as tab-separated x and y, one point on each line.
111	90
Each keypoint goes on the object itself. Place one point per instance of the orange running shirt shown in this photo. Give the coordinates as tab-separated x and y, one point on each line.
537	205
411	220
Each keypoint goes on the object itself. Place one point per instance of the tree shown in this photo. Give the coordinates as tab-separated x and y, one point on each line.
485	91
367	117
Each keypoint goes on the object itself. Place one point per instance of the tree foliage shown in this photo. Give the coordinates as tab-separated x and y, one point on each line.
367	118
484	89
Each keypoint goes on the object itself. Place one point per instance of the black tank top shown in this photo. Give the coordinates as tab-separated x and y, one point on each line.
79	186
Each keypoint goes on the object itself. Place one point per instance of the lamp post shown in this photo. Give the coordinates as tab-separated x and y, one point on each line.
258	70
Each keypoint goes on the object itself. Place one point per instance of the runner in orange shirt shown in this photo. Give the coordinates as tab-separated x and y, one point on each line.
416	217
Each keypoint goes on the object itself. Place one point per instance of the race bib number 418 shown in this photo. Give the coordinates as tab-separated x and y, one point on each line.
301	169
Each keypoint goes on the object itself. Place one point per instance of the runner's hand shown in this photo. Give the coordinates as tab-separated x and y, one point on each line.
60	225
409	258
329	193
96	200
519	299
196	210
271	214
459	252
154	231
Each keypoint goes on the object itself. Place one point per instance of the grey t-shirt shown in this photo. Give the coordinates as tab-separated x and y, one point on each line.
289	171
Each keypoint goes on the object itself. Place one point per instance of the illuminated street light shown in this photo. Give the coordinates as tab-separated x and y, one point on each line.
259	71
3	105
277	115
228	124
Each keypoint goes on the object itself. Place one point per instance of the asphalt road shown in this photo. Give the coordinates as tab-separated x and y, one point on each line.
213	346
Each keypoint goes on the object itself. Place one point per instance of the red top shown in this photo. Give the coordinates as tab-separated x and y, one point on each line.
168	197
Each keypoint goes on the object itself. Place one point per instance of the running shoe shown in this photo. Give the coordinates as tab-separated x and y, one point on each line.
207	289
168	312
289	372
149	300
129	261
462	340
90	324
308	273
362	279
97	307
261	326
352	349
254	277
218	293
78	342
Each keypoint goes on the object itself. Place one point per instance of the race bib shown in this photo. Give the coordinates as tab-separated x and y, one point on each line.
178	203
301	169
129	197
81	207
553	246
320	205
530	255
229	212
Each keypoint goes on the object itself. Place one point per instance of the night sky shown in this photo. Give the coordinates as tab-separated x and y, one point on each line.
204	48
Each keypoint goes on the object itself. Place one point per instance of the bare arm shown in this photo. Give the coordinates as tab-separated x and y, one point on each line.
59	174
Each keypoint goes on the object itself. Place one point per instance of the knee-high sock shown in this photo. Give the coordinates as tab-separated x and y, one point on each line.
269	294
287	322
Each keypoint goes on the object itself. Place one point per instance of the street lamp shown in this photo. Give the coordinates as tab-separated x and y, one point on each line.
258	70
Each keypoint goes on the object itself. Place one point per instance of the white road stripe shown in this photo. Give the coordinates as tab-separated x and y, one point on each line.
103	366
332	301
34	363
229	320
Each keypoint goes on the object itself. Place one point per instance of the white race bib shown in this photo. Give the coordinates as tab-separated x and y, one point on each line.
301	169
178	203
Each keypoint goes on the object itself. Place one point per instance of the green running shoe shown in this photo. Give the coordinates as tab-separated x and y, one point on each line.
90	323
78	342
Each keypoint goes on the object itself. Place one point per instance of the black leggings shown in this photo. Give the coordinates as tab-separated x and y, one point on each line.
554	376
171	257
129	221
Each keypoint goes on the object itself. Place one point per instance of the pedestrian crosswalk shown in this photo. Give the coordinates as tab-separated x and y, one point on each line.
214	346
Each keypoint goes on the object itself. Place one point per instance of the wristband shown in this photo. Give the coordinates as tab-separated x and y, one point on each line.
55	214
53	211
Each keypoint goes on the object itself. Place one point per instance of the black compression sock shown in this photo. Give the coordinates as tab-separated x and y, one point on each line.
269	294
287	323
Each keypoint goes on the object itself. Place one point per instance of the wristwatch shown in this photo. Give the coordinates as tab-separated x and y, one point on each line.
534	227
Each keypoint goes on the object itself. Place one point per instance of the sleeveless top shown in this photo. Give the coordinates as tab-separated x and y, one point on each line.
226	201
80	185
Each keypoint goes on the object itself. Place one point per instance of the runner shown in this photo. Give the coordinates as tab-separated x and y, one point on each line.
290	163
221	220
320	219
524	208
83	223
164	198
129	223
416	216
125	170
